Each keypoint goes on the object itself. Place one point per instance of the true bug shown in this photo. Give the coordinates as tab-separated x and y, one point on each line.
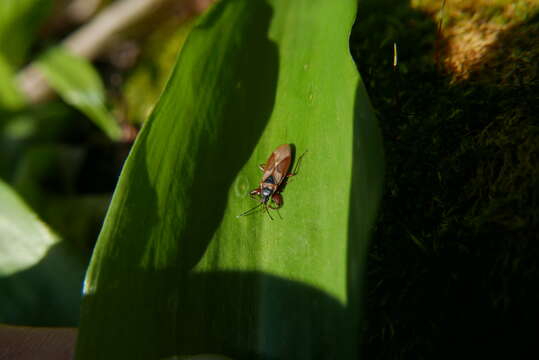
274	179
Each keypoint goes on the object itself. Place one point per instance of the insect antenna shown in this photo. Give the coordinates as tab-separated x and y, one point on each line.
250	210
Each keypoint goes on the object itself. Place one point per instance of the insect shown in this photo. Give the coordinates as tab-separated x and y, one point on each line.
274	179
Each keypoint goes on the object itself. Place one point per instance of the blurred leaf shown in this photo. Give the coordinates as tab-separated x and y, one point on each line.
47	122
27	237
147	80
44	123
47	177
174	271
77	82
10	97
40	279
19	21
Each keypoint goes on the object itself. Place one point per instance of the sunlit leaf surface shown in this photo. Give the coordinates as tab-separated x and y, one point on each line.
175	272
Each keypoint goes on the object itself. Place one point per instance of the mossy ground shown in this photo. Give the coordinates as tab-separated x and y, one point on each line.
454	266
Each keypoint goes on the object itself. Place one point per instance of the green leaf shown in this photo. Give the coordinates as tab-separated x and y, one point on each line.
29	238
19	21
37	270
44	169
77	82
175	272
10	97
43	123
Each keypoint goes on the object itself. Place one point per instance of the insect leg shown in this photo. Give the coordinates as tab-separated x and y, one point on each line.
268	212
255	192
278	200
298	162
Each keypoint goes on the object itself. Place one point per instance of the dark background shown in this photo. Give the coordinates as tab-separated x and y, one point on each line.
453	267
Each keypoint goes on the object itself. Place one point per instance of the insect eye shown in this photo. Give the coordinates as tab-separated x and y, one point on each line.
266	192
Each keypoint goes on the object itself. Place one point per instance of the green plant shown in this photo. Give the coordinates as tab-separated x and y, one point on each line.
174	271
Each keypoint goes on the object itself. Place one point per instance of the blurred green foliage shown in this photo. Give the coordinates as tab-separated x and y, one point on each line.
40	277
64	168
19	23
147	80
10	97
77	82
